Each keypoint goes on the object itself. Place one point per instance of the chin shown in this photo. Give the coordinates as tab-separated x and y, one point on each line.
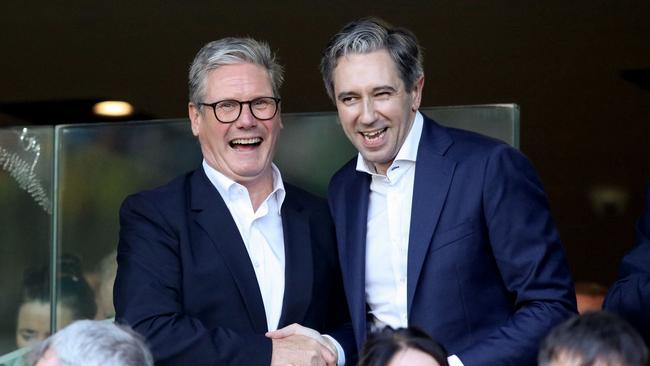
250	174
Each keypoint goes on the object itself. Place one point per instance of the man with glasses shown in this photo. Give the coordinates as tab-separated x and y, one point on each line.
211	262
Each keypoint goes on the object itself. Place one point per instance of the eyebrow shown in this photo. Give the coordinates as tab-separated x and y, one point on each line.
384	88
345	94
374	90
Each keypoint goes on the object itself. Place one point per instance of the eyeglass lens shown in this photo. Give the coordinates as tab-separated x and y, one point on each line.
229	110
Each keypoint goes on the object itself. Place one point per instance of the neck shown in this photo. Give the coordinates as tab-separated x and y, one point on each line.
259	189
382	168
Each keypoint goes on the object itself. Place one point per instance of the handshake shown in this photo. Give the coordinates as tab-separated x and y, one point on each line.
296	345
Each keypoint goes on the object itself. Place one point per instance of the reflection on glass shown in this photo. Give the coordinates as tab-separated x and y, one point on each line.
102	279
24	171
25	195
76	301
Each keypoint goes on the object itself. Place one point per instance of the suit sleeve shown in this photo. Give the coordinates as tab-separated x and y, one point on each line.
530	258
148	296
630	294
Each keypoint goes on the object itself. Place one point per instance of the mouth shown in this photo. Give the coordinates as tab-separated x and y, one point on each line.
245	143
372	136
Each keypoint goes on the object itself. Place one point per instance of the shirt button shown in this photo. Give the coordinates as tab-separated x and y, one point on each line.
402	280
256	264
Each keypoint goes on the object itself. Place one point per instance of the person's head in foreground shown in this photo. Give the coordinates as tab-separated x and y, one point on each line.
593	339
402	347
92	343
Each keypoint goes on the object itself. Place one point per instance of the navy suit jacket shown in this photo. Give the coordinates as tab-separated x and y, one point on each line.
487	276
630	295
185	280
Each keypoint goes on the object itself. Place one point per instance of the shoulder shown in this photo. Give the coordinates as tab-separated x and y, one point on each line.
309	205
460	142
168	196
346	173
300	197
467	148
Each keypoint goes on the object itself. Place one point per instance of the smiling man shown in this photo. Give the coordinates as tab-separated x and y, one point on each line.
212	261
438	228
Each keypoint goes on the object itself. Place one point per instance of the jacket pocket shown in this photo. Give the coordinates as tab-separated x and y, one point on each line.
456	233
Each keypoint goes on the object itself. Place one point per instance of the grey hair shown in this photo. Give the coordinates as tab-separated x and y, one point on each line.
369	35
95	343
229	51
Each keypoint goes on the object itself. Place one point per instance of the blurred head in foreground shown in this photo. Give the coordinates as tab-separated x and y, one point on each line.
402	347
92	343
593	338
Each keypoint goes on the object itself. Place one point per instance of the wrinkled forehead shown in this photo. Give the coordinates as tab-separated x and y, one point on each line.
574	358
238	78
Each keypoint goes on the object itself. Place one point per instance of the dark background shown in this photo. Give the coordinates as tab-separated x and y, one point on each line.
583	125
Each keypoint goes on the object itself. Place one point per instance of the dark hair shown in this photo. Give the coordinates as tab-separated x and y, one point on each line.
373	34
382	346
74	292
594	337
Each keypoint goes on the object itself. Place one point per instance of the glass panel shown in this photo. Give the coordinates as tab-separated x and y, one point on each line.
25	222
97	167
500	121
311	148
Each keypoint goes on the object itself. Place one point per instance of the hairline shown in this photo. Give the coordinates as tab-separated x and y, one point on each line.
369	35
232	51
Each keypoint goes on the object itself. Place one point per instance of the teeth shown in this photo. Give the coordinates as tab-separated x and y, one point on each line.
251	141
373	134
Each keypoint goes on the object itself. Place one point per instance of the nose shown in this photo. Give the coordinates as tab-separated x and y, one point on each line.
368	113
246	118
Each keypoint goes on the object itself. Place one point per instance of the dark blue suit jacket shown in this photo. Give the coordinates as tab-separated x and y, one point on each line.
487	275
630	295
185	280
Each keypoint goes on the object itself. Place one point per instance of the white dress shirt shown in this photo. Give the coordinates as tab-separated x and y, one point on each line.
387	236
262	234
263	237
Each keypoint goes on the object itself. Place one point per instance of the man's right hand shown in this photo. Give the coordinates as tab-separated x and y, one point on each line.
300	350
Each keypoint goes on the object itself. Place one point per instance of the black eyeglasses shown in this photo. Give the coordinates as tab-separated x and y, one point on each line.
227	111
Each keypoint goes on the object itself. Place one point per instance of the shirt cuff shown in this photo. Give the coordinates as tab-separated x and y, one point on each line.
453	360
340	359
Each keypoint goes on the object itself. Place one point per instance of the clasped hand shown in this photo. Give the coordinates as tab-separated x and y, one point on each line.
296	345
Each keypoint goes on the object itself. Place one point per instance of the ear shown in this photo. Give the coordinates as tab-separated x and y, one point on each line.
417	93
195	118
280	117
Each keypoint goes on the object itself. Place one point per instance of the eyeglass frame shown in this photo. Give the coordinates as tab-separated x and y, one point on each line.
241	106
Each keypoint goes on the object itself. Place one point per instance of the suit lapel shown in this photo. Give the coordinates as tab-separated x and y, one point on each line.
352	243
433	175
213	216
299	269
